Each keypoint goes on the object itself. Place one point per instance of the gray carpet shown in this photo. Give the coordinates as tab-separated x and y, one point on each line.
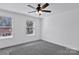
41	47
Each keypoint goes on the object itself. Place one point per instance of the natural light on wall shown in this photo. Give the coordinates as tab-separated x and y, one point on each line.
5	27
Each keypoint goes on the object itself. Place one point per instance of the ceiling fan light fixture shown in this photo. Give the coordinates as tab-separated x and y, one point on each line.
39	13
40	9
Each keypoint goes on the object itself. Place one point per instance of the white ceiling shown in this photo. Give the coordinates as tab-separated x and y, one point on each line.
54	7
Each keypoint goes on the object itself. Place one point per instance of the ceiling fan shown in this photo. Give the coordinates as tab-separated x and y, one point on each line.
40	9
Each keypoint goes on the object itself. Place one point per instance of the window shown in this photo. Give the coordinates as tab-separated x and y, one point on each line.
29	27
5	26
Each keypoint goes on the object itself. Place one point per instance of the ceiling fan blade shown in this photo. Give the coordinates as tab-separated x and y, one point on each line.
45	5
31	6
46	11
32	12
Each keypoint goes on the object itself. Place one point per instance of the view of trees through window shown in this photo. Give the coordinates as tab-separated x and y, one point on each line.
29	27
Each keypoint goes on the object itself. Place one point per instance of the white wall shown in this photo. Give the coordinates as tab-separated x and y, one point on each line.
19	29
62	29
